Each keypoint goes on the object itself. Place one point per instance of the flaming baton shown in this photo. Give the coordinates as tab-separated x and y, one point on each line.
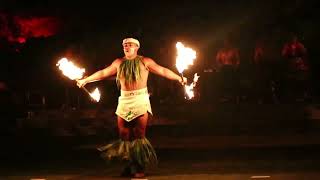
73	72
185	57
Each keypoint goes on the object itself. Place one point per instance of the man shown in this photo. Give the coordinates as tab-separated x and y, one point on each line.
296	54
228	55
266	70
227	62
133	106
298	70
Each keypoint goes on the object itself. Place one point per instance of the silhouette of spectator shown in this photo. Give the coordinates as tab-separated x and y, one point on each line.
298	74
265	67
8	109
227	62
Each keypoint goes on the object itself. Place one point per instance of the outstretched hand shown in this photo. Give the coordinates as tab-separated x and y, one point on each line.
81	82
183	81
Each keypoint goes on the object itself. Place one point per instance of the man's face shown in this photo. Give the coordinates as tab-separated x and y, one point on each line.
130	48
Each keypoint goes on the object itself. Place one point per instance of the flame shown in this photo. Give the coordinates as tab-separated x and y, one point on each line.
185	57
73	72
95	95
195	78
69	69
189	88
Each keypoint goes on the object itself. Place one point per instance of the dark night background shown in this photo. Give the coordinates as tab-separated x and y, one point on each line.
37	101
92	32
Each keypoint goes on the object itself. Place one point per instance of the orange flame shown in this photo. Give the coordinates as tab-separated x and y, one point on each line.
95	95
189	88
73	72
185	57
69	69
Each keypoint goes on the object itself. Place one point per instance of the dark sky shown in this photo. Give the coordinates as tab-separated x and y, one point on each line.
184	18
130	15
203	23
92	30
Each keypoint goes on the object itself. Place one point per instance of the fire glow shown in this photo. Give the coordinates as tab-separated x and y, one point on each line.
185	58
95	95
189	88
70	70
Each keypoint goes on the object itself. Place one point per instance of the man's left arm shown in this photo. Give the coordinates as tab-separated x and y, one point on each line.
162	71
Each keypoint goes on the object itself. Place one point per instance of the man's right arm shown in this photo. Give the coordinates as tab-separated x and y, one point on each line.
101	74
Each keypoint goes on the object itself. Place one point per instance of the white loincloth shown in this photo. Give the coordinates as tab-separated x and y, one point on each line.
132	104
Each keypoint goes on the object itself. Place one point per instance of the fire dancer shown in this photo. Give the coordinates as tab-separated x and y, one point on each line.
133	107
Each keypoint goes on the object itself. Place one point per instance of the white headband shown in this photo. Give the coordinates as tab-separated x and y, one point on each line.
131	40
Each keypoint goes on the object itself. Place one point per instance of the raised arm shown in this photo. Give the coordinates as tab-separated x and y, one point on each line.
162	71
101	74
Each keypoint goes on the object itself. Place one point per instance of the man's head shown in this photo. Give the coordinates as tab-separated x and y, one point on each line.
130	47
131	40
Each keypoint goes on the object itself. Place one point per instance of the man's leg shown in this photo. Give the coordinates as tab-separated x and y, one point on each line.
139	130
123	128
124	133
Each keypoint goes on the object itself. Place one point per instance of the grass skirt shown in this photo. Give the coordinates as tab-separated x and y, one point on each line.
138	153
